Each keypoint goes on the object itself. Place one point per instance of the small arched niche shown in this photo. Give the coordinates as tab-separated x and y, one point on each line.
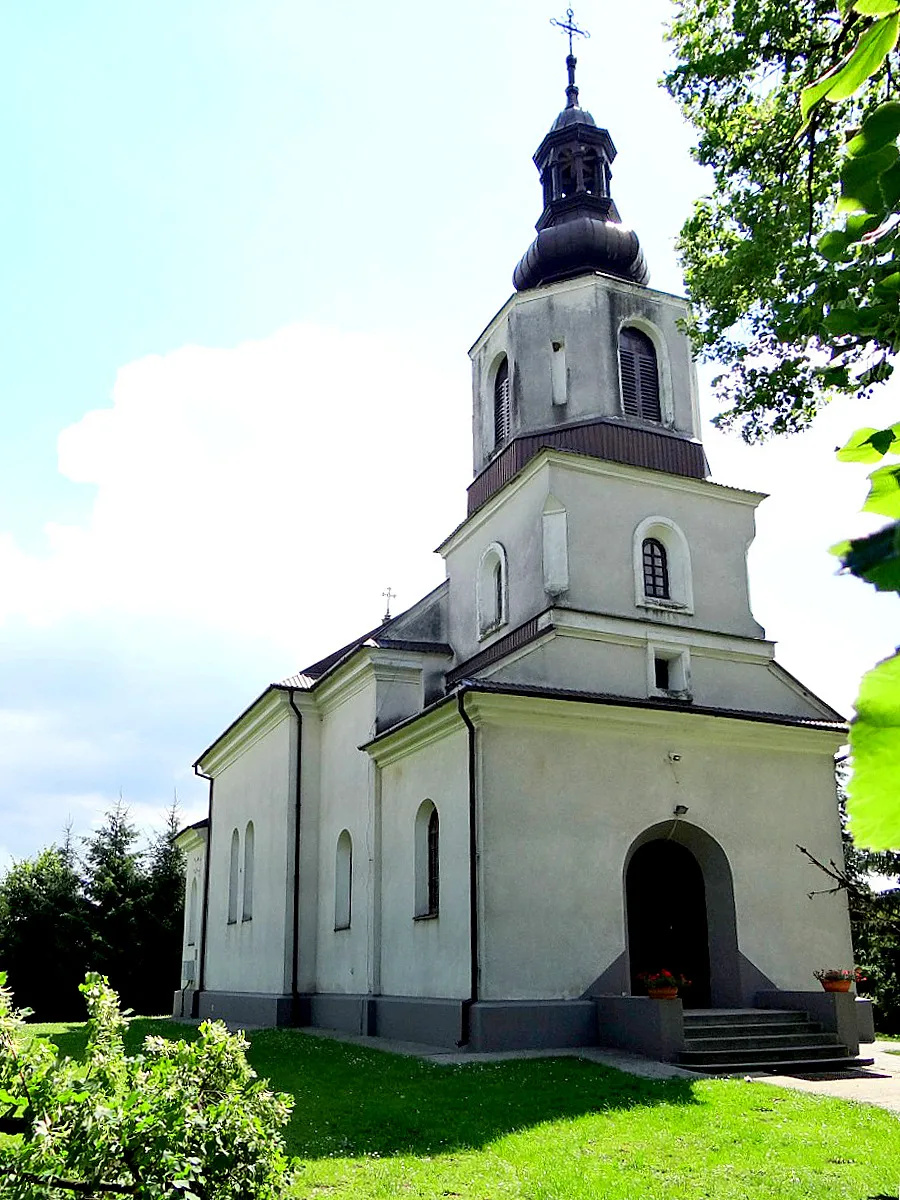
234	873
662	566
249	850
492	599
343	880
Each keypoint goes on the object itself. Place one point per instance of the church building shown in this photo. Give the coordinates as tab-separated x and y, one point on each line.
573	762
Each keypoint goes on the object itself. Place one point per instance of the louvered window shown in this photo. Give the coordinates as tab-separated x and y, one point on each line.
501	404
640	376
656	570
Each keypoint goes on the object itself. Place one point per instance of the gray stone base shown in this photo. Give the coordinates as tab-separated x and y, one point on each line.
246	1008
431	1021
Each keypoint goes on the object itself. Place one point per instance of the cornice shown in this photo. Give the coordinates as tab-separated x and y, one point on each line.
261	718
415	735
631	631
686	725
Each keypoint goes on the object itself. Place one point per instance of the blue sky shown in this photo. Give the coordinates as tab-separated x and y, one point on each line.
247	245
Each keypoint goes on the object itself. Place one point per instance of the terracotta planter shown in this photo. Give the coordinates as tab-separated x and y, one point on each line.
665	993
836	985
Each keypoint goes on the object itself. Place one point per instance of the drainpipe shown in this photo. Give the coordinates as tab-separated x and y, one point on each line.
473	874
295	935
201	974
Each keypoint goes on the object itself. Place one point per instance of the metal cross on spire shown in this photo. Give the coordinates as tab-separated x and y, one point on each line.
388	597
568	26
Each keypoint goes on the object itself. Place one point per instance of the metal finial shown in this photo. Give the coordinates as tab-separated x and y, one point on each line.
568	26
388	596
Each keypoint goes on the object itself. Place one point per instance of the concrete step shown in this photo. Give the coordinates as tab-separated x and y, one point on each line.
767	1041
763	1054
742	1016
780	1067
769	1029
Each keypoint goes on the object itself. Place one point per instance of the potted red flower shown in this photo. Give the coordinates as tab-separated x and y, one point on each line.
838	979
663	985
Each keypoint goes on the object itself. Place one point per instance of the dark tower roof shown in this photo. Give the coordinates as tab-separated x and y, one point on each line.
580	230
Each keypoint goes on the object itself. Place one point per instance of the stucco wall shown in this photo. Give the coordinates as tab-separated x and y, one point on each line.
566	790
194	868
426	957
584	316
346	802
250	955
605	503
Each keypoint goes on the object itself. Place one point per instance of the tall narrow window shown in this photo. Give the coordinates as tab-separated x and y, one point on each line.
192	914
501	403
343	880
656	569
491	589
640	376
427	860
233	877
247	906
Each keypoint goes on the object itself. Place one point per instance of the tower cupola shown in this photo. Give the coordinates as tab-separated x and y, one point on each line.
579	230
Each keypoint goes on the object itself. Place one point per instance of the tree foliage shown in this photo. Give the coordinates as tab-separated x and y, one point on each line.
181	1119
117	910
794	268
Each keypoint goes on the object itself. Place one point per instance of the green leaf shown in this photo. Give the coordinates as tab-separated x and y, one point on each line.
889	182
870	52
884	492
890	283
844	321
859	448
875	8
875	559
881	127
810	96
859	224
873	795
860	179
833	245
840	549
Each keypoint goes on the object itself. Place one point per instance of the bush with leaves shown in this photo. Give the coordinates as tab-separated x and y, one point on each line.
181	1119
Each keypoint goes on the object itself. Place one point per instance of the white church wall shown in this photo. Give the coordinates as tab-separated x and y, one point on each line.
607	504
568	788
582	317
348	706
193	844
248	955
428	956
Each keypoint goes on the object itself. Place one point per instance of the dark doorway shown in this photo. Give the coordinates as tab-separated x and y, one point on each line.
667	930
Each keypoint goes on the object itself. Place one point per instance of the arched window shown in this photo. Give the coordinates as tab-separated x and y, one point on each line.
501	403
428	860
233	877
640	376
192	914
491	588
656	569
343	880
662	566
247	906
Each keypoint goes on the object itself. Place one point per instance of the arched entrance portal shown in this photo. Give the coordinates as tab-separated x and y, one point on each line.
667	928
679	900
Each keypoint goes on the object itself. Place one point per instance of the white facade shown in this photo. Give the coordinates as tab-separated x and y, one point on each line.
448	818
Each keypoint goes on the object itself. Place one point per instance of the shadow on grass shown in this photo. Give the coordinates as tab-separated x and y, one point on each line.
354	1101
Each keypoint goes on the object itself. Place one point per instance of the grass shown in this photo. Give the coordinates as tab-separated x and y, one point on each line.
370	1124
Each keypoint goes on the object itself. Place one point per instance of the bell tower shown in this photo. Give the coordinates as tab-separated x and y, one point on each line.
584	356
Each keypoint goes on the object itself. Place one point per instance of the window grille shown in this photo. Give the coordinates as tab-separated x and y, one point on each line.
656	570
640	376
501	404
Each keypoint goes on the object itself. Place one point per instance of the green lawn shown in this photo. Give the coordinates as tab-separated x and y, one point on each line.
369	1124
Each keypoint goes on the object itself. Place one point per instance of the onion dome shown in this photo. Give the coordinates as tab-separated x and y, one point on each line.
579	231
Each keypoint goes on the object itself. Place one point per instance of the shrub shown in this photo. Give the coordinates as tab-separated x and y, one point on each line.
181	1119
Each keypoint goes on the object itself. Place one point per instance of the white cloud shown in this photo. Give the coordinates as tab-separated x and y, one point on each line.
287	479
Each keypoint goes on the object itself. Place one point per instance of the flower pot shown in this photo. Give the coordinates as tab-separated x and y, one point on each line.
663	993
836	985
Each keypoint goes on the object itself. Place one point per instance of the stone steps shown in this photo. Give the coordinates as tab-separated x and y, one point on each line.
755	1040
